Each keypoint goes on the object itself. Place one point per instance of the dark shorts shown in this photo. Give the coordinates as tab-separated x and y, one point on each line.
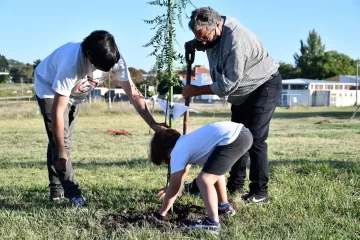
224	157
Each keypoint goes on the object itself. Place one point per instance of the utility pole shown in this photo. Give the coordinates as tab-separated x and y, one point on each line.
109	94
22	88
357	81
89	94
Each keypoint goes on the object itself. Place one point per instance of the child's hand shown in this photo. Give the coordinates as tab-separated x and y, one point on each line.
161	193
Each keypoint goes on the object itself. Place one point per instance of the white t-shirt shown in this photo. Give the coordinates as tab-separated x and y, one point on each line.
68	72
195	147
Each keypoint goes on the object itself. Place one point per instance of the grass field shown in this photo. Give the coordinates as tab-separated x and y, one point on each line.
314	186
16	89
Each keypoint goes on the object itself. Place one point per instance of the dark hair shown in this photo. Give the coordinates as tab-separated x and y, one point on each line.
204	16
101	49
161	145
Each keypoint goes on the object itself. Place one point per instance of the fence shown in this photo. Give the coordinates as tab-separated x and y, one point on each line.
291	100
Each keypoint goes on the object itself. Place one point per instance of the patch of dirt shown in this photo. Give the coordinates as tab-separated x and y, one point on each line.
177	221
323	122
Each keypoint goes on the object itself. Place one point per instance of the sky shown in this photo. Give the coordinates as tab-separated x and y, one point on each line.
31	30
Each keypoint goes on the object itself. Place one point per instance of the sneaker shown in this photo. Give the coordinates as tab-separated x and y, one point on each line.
206	225
229	210
56	197
193	190
78	201
254	198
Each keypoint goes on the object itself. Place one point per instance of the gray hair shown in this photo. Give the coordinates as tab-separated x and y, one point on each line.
204	16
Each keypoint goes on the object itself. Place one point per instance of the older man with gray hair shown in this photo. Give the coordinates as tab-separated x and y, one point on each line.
243	72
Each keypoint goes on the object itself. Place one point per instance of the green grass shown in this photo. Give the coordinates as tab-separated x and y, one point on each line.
16	89
314	186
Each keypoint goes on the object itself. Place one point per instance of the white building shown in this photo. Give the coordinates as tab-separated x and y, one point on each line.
308	92
344	79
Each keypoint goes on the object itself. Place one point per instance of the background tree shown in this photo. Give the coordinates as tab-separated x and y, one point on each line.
4	78
19	70
288	71
4	67
114	83
311	53
136	75
142	71
314	63
334	63
163	88
4	64
36	63
15	70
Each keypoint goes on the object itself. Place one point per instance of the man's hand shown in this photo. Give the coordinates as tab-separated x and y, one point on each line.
161	193
60	164
191	91
195	45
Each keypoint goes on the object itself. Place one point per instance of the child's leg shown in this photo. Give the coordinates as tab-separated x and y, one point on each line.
206	183
220	187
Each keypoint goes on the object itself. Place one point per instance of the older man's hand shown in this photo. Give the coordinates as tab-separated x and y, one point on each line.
191	91
194	45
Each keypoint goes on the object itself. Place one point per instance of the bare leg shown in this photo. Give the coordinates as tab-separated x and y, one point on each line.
206	183
220	187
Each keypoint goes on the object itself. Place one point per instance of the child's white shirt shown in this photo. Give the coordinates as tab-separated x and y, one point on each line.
195	148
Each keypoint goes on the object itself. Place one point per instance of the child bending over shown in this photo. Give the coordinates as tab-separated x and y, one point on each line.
216	146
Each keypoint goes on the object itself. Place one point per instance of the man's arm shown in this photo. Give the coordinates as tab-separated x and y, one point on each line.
57	125
230	78
138	100
176	181
224	82
192	90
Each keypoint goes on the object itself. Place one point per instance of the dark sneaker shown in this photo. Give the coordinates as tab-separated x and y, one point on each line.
78	201
254	198
229	210
56	197
192	189
206	225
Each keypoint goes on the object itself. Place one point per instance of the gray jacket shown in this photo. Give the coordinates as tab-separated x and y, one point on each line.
239	63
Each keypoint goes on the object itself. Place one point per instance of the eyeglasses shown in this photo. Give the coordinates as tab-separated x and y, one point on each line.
205	39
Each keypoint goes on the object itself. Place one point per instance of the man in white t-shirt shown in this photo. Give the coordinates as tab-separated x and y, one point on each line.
62	81
217	146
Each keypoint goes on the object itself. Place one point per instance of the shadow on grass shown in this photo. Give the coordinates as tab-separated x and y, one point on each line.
306	167
332	163
141	162
101	196
24	199
324	114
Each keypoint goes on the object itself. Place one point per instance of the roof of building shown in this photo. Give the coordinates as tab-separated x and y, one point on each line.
350	76
303	81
